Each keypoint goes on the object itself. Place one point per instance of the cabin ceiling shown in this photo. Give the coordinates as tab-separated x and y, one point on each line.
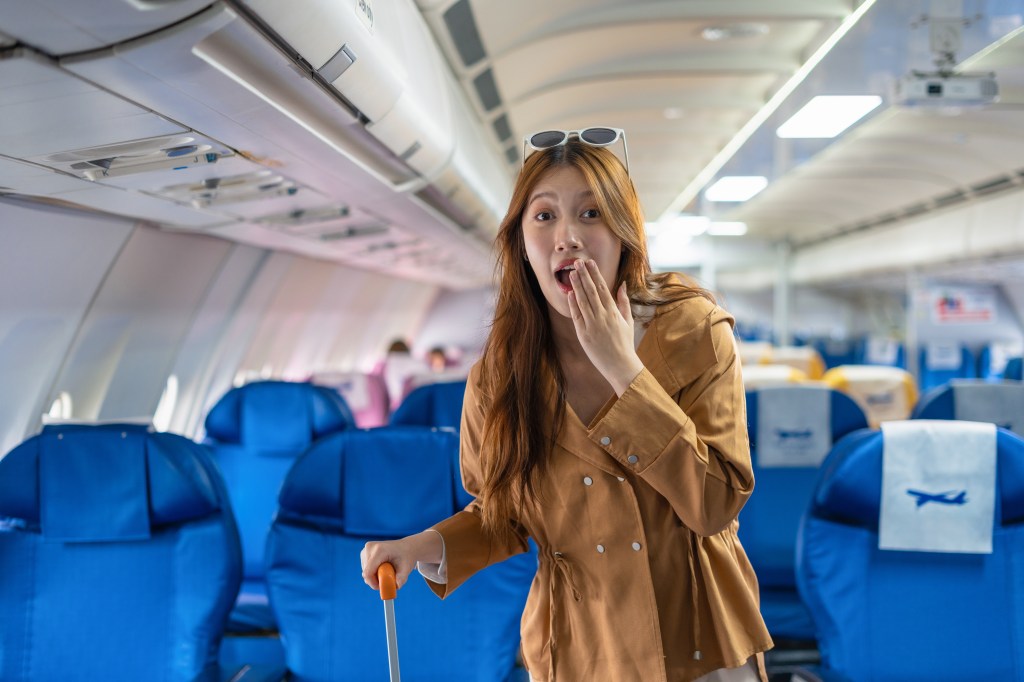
654	69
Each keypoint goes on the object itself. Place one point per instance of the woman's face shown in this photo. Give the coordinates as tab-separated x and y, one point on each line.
562	223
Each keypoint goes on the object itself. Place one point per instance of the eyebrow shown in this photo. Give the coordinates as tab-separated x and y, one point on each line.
552	195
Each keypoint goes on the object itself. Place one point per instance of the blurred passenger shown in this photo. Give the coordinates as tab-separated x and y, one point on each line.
606	421
437	360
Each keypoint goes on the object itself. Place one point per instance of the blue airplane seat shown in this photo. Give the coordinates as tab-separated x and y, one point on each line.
432	405
119	557
1014	369
769	520
878	350
940	363
836	352
976	400
888	616
382	484
256	432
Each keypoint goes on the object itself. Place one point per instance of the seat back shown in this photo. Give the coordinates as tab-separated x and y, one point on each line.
119	556
942	361
804	358
432	405
1001	404
993	358
764	376
791	430
886	615
881	350
1014	369
381	484
256	432
884	393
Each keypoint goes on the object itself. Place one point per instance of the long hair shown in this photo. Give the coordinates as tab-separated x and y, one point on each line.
519	357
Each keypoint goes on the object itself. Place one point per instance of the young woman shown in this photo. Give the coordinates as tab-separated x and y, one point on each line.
605	420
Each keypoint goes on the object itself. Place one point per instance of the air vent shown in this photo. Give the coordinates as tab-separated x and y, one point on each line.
172	152
487	90
232	189
994	185
949	199
462	28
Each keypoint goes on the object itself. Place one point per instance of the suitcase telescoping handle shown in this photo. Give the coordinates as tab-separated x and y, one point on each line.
388	592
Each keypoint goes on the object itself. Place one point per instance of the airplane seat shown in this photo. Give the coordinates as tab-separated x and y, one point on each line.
942	361
365	394
764	376
884	393
432	405
384	483
975	400
881	350
792	429
835	352
911	555
119	555
256	431
1014	369
993	358
804	358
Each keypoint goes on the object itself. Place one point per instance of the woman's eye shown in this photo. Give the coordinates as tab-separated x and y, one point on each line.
591	213
543	215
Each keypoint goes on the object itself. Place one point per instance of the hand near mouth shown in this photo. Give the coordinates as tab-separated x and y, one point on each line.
604	325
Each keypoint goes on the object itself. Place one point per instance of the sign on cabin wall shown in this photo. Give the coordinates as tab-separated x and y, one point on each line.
961	305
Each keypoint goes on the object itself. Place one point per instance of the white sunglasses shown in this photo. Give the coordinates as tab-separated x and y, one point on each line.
595	137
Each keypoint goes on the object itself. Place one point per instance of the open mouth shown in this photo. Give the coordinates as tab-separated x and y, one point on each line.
562	276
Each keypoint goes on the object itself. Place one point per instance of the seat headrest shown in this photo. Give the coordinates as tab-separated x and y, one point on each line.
277	415
849	489
78	483
432	405
386	482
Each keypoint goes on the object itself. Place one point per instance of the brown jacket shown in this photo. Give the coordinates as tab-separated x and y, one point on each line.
641	576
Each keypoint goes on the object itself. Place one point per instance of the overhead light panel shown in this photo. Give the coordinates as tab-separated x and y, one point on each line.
735	187
727	229
825	116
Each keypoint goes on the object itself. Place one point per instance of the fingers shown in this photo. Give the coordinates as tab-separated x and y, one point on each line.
374	554
622	302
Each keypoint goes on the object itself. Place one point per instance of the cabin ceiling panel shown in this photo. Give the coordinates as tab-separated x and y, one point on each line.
57	27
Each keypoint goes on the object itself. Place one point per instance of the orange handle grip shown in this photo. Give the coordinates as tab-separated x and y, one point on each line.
387	580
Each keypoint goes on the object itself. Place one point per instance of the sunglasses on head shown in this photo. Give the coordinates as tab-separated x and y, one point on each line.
595	137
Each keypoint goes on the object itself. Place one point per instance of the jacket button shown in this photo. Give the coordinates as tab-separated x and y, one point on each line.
587	480
600	549
636	546
605	440
632	459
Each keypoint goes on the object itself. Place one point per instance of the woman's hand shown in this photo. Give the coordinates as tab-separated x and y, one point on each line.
604	325
403	554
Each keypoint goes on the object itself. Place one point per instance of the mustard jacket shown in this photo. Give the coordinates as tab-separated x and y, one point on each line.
641	576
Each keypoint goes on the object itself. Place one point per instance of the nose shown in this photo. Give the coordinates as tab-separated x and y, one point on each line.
567	239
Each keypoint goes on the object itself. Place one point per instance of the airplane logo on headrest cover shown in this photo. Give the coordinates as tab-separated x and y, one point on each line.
948	497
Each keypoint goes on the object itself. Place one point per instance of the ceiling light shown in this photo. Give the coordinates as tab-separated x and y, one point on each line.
734	31
735	187
826	116
727	229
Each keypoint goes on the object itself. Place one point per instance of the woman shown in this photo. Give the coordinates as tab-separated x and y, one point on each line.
605	420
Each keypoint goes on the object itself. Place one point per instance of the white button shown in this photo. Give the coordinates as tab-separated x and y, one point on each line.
636	546
587	480
600	549
631	459
606	440
621	479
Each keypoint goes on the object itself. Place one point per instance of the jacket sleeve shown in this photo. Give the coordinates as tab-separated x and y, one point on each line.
691	447
468	548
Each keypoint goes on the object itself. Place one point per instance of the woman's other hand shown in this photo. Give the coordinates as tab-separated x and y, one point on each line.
403	554
604	325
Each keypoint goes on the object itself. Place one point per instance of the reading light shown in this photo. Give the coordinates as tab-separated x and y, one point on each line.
735	187
825	116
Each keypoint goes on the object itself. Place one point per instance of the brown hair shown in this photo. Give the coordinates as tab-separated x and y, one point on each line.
520	353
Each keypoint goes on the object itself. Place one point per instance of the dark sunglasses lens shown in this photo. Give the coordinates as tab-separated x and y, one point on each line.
548	138
599	136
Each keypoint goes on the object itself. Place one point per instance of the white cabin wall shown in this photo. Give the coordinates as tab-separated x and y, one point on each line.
126	346
459	322
814	313
52	263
